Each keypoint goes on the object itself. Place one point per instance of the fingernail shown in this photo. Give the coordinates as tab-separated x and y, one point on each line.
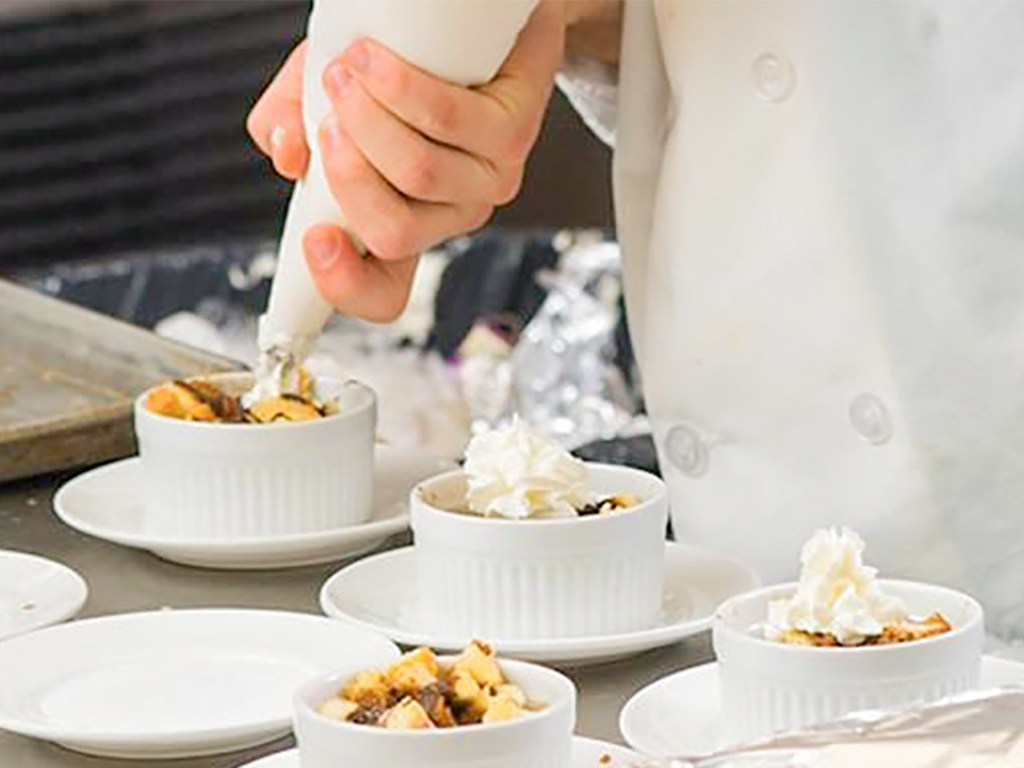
322	247
332	132
358	56
277	137
338	80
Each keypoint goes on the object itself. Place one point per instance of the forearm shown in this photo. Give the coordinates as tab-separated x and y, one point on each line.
594	29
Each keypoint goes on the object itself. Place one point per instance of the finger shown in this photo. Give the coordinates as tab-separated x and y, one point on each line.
536	56
390	226
524	83
275	123
289	151
481	121
413	164
445	112
366	287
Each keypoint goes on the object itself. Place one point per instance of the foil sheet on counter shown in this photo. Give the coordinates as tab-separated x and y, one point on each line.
565	377
974	730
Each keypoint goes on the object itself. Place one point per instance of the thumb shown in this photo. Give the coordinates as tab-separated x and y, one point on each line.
363	286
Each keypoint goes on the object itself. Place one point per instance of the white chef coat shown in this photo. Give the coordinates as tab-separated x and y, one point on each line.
821	207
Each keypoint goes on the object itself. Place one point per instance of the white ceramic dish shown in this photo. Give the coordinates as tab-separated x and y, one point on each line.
769	686
36	592
541	739
682	714
170	684
209	481
379	593
540	579
586	753
105	503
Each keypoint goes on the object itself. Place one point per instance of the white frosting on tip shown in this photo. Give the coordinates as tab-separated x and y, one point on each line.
515	473
837	593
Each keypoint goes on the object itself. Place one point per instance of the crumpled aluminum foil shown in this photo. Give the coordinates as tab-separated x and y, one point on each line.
974	730
565	379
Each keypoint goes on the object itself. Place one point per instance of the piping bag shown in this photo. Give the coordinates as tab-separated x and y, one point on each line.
463	41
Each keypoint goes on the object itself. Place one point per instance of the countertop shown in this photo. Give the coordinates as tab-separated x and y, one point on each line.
122	580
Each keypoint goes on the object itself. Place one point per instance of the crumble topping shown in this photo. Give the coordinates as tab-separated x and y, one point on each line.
198	400
418	692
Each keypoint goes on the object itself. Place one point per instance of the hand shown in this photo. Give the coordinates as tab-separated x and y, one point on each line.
377	290
275	123
411	160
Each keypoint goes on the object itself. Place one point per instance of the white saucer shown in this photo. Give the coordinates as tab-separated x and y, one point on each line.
170	684
36	592
681	714
586	753
104	503
379	593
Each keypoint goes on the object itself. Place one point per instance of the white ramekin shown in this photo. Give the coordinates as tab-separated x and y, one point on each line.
540	739
768	687
254	481
540	579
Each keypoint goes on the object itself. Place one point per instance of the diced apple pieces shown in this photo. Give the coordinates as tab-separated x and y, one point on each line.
414	671
507	703
408	714
479	663
468	694
368	689
338	708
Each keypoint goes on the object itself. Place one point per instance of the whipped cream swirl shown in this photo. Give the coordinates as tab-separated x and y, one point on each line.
277	373
515	473
837	594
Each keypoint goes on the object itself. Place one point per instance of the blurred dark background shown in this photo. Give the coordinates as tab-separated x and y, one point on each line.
122	131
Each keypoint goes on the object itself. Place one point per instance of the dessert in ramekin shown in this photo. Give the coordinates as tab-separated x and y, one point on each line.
840	641
203	400
223	478
432	712
527	542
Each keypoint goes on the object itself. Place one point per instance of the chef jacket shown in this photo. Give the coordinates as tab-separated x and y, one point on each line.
821	209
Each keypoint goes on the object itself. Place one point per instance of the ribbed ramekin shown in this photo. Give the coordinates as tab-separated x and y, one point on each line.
768	687
540	579
541	739
253	481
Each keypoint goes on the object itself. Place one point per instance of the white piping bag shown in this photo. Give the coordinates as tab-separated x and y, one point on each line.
463	41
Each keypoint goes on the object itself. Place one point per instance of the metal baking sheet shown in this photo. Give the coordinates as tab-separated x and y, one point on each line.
68	378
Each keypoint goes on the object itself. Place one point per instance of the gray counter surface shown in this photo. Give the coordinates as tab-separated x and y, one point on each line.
122	580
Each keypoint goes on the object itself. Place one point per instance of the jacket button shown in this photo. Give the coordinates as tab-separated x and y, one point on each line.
686	451
774	77
870	418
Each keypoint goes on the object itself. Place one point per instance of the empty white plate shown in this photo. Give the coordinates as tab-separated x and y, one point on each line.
379	593
682	714
104	503
169	684
36	592
586	753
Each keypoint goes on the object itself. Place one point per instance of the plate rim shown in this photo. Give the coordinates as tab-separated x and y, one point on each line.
110	742
354	534
708	669
74	579
598	646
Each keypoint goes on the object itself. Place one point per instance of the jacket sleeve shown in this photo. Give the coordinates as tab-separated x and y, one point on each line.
643	120
592	89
